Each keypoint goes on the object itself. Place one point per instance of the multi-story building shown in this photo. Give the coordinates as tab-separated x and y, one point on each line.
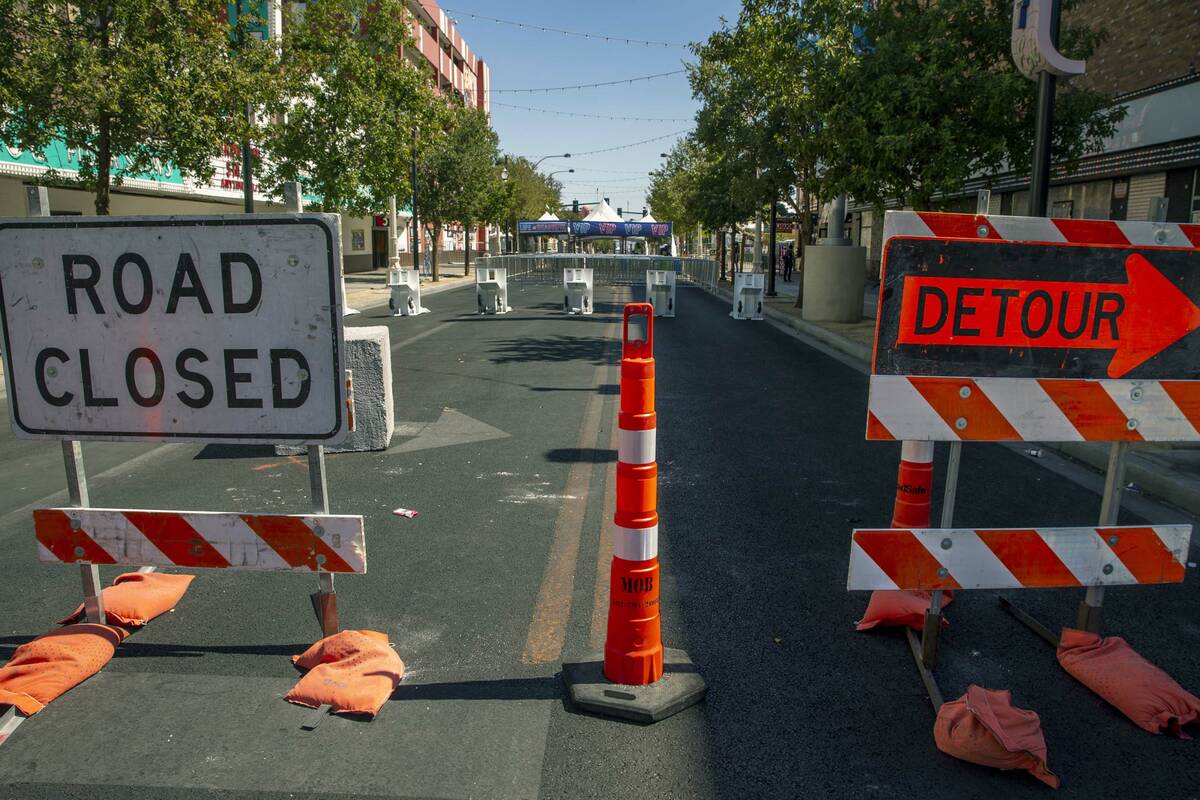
438	47
1150	167
459	75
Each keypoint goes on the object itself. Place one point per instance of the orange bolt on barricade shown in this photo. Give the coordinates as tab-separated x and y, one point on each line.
633	650
914	486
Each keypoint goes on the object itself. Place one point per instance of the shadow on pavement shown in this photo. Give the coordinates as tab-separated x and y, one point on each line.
555	349
237	451
586	455
540	688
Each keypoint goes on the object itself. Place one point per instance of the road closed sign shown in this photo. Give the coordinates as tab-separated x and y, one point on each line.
210	329
1011	328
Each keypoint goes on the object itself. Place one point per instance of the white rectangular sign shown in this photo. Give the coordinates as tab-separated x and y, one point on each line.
211	329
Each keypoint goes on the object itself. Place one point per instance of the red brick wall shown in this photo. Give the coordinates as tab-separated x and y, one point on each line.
1149	41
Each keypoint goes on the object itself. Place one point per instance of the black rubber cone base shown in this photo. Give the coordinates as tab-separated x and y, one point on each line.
679	687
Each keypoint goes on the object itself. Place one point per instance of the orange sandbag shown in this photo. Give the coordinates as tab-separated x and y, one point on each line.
1134	686
892	607
54	663
984	727
135	598
352	672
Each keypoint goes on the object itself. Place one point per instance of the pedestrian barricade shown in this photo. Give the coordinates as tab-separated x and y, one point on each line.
634	657
577	290
660	291
969	305
404	293
491	290
748	290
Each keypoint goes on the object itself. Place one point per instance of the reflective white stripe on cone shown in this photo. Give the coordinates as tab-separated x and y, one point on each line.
636	447
635	544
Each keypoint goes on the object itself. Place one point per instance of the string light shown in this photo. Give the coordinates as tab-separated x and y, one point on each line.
590	85
627	146
545	29
591	116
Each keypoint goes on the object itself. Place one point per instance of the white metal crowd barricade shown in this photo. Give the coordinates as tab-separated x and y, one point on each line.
404	293
748	288
577	290
660	291
491	290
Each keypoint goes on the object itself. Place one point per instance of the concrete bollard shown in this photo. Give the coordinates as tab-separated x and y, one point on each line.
834	279
368	357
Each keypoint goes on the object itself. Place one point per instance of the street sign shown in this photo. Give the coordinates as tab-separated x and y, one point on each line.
211	329
1033	47
1011	328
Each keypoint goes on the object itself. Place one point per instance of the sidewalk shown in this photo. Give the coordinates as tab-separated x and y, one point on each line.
368	289
1168	471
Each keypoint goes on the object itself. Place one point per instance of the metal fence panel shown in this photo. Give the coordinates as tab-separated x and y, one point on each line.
607	270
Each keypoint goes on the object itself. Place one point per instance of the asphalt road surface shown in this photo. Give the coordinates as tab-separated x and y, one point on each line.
506	446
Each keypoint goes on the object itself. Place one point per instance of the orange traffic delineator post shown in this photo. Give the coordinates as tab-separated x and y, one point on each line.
637	678
914	486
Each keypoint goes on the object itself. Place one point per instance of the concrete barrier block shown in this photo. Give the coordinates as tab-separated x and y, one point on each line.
369	357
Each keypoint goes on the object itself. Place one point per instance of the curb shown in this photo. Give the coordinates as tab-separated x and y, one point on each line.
1150	478
788	323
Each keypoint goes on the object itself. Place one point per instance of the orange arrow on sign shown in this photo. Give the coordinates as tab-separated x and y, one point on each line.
1137	319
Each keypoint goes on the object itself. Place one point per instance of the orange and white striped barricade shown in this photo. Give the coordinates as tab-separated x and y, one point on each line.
996	328
660	291
748	293
577	290
202	539
636	678
491	290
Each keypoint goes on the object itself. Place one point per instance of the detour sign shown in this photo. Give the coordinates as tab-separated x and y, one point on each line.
995	328
224	328
1018	309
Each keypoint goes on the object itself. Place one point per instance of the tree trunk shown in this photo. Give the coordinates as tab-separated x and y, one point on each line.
804	237
103	165
469	238
104	155
721	250
433	252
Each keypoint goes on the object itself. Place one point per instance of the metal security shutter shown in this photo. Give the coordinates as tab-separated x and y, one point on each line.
1141	189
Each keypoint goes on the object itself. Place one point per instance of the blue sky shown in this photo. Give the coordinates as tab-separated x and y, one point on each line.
522	58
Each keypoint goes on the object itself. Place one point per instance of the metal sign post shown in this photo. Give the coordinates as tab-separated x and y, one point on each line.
37	199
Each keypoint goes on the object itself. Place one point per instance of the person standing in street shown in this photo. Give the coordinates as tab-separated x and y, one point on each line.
789	262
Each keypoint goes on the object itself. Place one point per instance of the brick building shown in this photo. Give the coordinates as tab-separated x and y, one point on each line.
1150	166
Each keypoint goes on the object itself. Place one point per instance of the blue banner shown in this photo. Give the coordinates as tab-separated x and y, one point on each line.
617	230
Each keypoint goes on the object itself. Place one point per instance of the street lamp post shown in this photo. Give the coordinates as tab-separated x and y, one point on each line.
556	155
504	225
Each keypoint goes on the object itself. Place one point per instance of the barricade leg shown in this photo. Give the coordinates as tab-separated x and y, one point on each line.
637	678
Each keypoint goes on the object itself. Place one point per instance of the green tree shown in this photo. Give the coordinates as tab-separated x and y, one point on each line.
127	83
353	107
457	178
527	193
927	96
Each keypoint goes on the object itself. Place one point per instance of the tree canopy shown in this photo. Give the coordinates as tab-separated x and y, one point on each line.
457	179
128	84
352	106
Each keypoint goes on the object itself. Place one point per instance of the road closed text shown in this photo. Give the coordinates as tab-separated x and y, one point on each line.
223	328
196	376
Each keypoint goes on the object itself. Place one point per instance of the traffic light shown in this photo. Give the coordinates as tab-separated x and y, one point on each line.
619	214
574	206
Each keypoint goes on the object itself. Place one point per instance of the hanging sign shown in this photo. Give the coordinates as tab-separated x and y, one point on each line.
210	329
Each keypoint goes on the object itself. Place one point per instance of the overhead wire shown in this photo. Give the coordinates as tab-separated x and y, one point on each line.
590	116
563	32
589	85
